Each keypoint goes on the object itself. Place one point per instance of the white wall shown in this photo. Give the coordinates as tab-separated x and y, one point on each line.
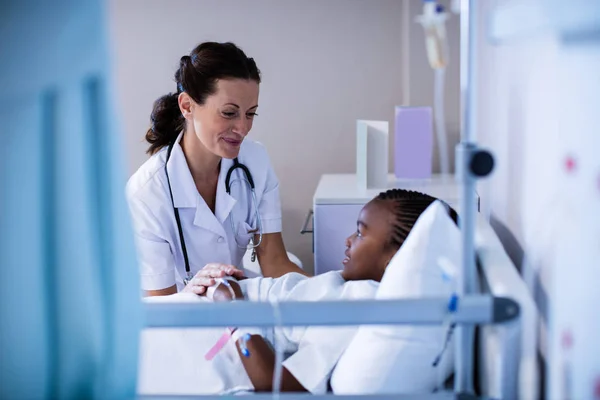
324	65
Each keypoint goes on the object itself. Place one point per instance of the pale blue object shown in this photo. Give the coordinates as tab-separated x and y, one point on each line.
473	309
575	19
69	293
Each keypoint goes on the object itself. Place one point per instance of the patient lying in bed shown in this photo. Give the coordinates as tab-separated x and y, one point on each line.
173	360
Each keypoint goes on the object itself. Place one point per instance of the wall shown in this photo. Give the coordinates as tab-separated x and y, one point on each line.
324	65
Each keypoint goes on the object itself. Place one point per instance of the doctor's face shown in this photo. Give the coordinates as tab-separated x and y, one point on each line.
368	250
226	117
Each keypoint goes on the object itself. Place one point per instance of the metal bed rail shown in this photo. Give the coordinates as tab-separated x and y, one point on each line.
307	396
471	310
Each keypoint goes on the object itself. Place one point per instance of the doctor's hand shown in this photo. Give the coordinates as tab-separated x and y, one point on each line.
206	277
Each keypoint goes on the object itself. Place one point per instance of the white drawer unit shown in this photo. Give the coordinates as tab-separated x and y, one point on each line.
338	201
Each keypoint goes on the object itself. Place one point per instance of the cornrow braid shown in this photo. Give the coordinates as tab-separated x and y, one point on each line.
408	206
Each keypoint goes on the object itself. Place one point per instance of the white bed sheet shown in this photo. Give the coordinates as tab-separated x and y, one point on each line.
166	367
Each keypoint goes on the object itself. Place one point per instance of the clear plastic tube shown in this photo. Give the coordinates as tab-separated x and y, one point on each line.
278	367
433	21
440	120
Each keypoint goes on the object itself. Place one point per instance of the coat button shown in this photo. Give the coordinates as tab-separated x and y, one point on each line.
221	239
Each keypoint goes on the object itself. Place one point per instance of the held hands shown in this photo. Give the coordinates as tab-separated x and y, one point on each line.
206	277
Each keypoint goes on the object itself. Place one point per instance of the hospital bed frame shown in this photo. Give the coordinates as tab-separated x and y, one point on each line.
504	312
307	396
473	309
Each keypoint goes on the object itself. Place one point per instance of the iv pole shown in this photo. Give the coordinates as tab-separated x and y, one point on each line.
471	163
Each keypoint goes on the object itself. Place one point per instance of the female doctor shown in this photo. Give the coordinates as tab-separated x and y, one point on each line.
206	194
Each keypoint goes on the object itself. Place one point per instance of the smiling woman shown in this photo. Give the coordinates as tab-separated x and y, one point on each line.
205	184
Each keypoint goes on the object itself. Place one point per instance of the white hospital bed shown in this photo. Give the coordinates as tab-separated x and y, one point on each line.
505	366
505	354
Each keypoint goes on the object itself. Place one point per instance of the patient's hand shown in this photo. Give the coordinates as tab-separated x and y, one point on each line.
222	292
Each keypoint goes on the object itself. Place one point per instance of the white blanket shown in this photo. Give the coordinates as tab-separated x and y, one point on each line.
172	360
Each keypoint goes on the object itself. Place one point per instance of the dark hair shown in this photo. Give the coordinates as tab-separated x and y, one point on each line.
197	76
408	206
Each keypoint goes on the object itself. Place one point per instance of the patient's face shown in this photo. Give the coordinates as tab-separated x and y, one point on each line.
367	250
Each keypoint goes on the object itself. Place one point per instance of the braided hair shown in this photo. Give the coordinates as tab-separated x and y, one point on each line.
407	206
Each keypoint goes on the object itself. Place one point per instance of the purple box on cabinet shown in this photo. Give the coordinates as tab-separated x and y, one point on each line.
413	142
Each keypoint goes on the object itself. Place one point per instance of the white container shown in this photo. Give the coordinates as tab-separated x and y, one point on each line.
372	139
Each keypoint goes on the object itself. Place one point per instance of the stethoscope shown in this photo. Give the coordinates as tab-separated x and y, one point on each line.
249	180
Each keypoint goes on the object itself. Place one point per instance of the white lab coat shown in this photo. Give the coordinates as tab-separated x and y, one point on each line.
209	237
172	360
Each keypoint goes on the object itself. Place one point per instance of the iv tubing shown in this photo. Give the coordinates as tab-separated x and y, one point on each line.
440	120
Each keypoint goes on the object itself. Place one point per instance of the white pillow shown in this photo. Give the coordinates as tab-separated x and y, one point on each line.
398	358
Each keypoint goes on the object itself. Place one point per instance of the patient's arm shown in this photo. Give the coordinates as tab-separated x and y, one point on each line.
260	366
273	258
